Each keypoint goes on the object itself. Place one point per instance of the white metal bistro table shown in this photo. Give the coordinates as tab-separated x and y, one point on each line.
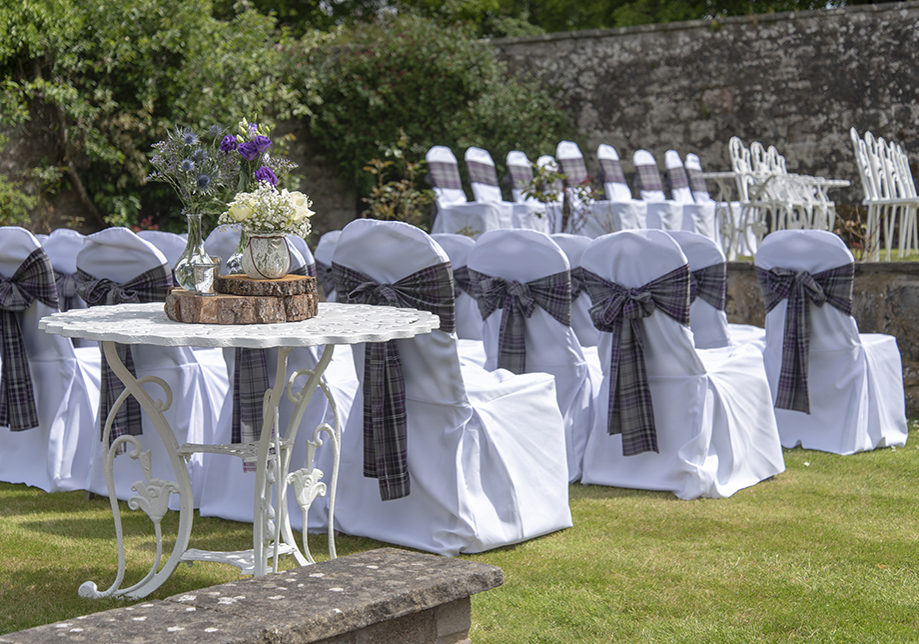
272	536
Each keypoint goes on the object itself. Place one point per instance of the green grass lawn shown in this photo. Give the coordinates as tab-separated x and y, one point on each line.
825	552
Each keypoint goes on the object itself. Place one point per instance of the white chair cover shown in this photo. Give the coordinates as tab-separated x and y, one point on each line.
483	177
698	216
228	490
172	245
468	319
551	347
663	213
199	390
553	210
855	380
485	449
55	455
521	171
454	213
712	408
62	246
573	246
710	327
324	251
628	213
589	217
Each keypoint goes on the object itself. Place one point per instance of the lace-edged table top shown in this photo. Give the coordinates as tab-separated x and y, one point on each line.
336	323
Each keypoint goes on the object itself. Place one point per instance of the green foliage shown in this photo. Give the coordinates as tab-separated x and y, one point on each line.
14	204
114	77
437	85
399	199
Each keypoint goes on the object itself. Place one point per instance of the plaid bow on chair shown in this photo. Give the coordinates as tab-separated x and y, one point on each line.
833	287
630	409
710	284
517	302
648	178
325	278
385	421
66	286
33	280
150	286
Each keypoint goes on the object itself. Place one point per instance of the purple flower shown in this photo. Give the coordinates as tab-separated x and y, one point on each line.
265	174
228	144
263	143
248	151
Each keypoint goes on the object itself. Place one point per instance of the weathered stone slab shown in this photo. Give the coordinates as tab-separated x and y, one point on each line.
184	306
281	287
385	595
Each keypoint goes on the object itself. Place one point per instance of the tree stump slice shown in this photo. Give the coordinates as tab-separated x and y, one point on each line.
185	306
281	287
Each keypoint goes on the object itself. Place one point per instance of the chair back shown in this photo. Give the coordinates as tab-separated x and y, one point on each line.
444	173
325	249
222	242
696	181
468	319
482	175
62	246
614	184
172	245
302	262
647	177
518	165
573	246
709	324
676	178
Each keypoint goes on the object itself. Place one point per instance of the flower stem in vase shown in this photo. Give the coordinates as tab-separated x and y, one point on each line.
234	263
194	253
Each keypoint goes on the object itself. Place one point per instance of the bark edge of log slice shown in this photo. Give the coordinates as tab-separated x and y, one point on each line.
185	306
281	287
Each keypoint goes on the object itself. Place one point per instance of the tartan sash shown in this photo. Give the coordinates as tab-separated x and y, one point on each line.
676	178
482	173
250	382
577	283
611	169
462	283
517	302
521	176
32	280
66	286
307	270
630	408
150	286
696	182
385	418
833	287
647	178
710	284
444	175
325	278
575	171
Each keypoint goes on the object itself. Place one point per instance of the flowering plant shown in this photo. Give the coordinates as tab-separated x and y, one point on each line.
269	210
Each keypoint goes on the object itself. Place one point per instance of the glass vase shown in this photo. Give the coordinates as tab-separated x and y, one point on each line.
266	256
234	264
193	255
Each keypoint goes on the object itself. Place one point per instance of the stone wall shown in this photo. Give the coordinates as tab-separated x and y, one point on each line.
798	81
885	300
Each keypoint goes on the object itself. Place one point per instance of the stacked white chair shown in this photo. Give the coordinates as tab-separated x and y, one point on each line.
50	398
324	251
483	177
730	240
573	246
708	293
485	451
468	319
114	266
522	281
628	213
836	390
454	212
905	190
663	213
698	216
230	487
694	422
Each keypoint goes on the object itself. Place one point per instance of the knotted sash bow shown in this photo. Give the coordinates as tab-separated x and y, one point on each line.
710	284
325	277
444	175
630	409
577	283
462	283
385	435
648	178
482	173
150	286
66	286
33	280
518	301
833	287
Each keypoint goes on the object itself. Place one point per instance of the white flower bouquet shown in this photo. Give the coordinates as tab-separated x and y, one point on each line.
267	210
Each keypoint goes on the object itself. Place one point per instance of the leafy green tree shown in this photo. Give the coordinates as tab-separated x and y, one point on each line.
437	85
107	79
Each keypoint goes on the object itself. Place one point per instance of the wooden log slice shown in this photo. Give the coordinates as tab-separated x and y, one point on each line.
281	287
185	306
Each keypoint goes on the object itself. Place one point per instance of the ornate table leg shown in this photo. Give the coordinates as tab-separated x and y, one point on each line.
152	493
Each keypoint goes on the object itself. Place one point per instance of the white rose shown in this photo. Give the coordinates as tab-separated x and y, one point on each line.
301	204
239	212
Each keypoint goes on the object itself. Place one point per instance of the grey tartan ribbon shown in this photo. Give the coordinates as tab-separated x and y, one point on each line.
575	171
250	382
482	173
32	280
150	286
325	278
66	286
462	282
444	175
577	283
631	412
710	284
517	302
611	169
648	178
385	418
521	176
676	178
833	287
307	270
696	182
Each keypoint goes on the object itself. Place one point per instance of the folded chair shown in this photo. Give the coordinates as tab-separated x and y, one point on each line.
466	460
698	216
668	416
117	266
835	389
663	213
522	281
48	397
484	181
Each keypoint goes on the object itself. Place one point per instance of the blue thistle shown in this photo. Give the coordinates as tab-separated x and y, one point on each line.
204	180
187	165
188	137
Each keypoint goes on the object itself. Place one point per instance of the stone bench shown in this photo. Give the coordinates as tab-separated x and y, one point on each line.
384	595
